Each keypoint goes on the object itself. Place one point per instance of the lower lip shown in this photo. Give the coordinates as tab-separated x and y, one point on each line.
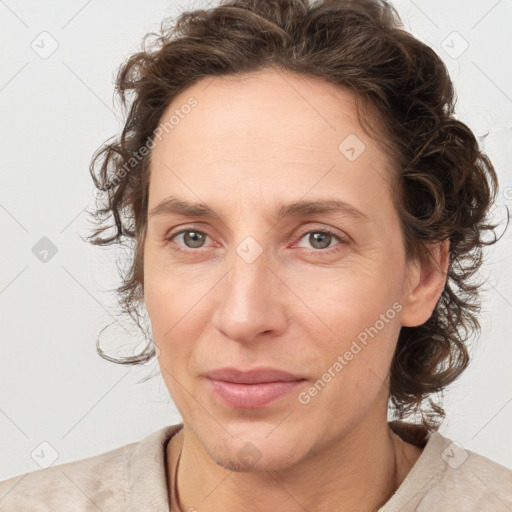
252	396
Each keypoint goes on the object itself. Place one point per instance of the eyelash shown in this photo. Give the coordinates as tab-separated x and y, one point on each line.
323	231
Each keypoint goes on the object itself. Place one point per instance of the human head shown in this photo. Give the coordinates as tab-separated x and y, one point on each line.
442	188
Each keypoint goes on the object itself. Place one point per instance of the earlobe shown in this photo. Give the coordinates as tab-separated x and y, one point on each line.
427	283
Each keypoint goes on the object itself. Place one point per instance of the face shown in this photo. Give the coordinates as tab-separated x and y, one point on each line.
319	293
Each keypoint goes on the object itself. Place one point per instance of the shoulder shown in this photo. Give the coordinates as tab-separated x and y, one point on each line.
116	480
85	484
469	480
457	479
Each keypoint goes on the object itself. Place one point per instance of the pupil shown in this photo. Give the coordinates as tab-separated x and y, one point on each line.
196	239
320	237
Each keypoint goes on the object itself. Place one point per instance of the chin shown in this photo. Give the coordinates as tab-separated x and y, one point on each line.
255	451
247	464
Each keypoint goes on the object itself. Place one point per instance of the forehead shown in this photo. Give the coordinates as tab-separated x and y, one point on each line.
243	110
269	132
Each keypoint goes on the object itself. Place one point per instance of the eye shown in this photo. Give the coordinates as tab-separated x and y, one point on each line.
190	238
322	239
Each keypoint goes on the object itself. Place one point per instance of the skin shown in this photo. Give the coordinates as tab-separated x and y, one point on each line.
254	142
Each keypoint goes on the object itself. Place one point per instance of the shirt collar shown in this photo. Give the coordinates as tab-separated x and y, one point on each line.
145	470
146	477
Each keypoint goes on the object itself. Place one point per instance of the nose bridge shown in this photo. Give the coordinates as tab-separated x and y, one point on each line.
249	303
251	261
250	256
249	279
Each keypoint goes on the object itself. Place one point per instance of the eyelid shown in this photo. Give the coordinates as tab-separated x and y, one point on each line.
184	229
324	229
342	238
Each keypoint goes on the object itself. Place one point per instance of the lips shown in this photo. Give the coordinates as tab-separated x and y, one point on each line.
253	376
251	389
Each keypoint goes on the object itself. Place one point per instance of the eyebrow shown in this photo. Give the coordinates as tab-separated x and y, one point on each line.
175	206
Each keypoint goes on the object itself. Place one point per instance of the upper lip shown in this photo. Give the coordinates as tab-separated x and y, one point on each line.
252	376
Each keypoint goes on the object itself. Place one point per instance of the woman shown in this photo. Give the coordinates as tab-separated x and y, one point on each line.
306	214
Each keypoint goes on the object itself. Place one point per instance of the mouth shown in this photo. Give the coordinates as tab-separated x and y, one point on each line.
252	396
252	389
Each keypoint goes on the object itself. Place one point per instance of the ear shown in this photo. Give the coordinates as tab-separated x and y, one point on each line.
425	284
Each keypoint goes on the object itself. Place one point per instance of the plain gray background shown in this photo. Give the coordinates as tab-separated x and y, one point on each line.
56	110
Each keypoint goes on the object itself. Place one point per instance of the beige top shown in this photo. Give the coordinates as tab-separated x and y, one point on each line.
133	478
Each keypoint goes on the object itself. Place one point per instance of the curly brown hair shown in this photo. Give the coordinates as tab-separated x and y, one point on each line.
444	184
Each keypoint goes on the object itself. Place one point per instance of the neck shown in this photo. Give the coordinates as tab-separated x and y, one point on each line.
358	472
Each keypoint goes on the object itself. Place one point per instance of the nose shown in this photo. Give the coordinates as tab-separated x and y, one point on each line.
251	301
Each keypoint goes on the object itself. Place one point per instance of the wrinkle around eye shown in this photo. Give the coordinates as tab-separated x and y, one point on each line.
333	236
170	238
340	242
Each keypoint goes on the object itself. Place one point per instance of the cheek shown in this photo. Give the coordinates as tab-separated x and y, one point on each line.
169	322
172	296
343	302
179	307
352	324
351	369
